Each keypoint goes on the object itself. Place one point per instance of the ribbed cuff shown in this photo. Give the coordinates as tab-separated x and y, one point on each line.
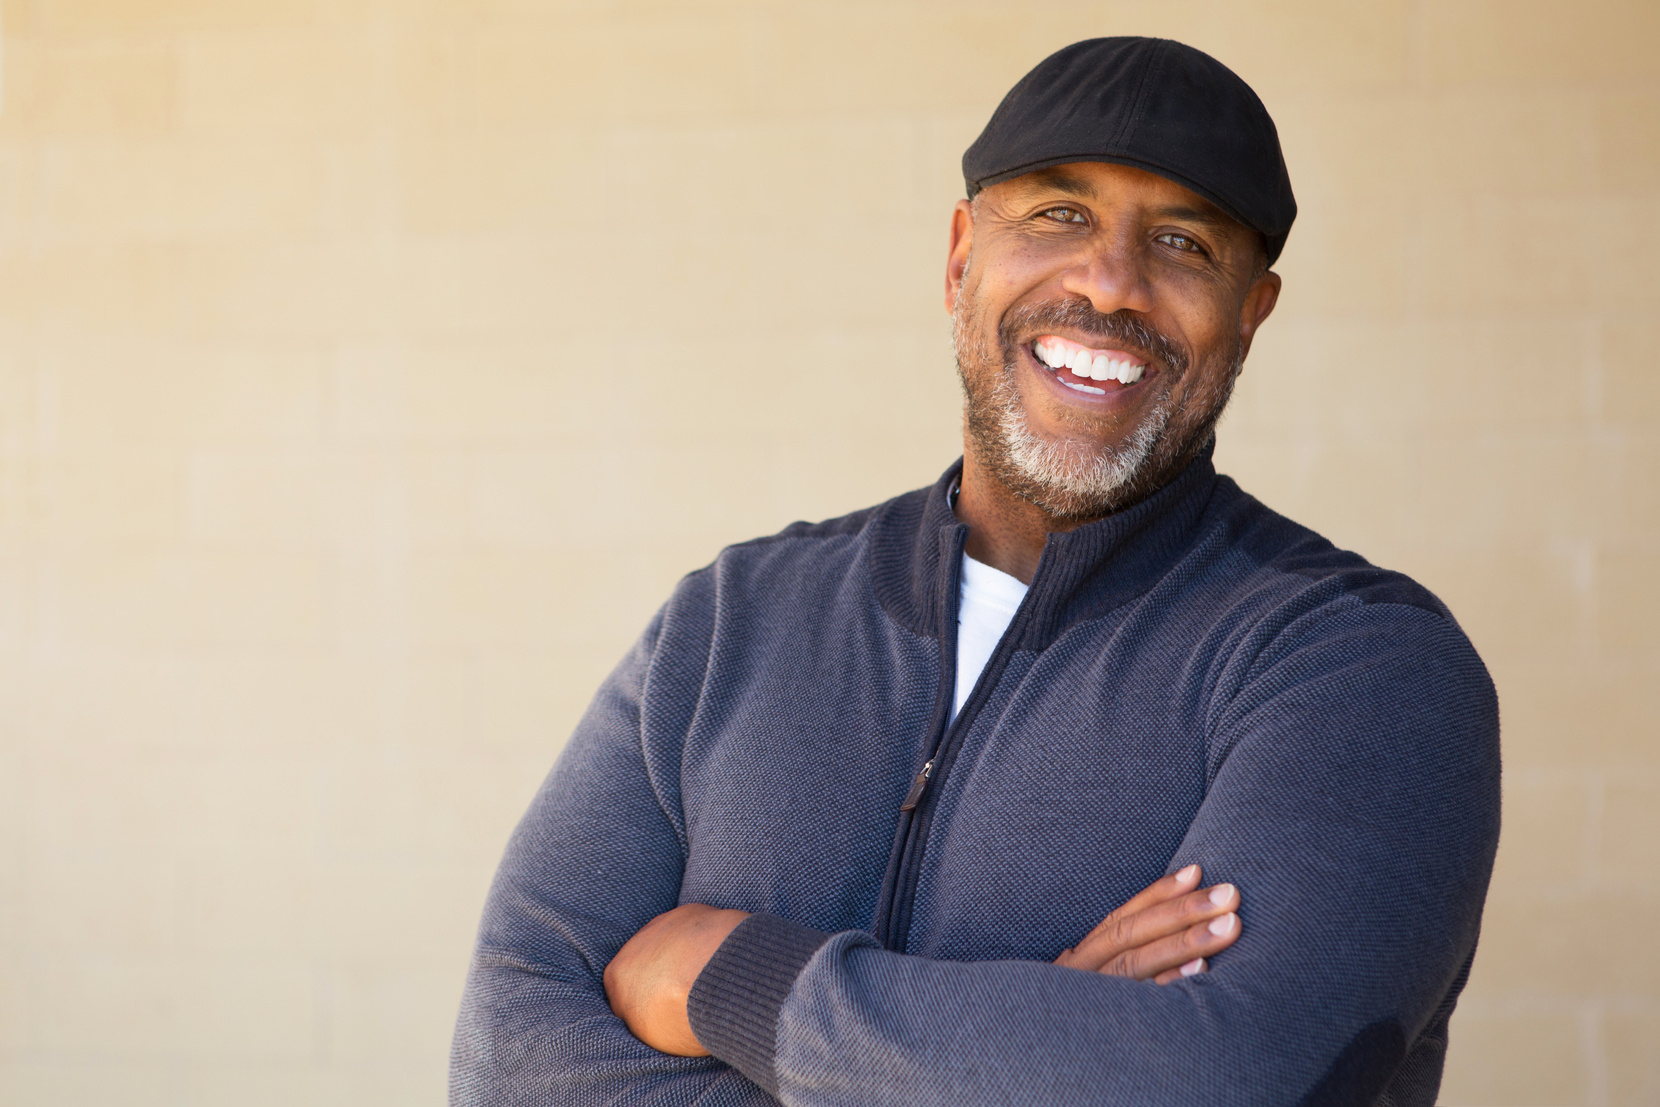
735	1001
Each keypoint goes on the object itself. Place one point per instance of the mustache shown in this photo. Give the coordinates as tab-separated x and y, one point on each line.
1121	328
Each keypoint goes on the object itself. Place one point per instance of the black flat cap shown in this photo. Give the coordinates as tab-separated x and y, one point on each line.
1149	103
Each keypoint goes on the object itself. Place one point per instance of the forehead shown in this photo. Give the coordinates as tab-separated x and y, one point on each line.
1108	185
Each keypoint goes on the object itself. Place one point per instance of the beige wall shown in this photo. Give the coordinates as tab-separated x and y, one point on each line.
370	369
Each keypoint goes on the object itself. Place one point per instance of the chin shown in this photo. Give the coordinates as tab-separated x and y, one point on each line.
1070	479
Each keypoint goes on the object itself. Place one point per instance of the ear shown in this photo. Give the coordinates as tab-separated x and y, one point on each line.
956	257
1259	303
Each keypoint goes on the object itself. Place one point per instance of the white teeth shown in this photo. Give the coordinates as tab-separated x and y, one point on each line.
1090	366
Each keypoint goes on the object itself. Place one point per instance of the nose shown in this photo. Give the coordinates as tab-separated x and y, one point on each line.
1110	275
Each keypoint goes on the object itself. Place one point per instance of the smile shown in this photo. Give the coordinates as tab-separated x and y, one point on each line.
1104	366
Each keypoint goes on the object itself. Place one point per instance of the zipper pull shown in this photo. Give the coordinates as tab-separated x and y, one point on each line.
918	786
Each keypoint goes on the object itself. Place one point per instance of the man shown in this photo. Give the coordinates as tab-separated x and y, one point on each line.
841	828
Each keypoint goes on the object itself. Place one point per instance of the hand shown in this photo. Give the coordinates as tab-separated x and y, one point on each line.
647	982
1165	933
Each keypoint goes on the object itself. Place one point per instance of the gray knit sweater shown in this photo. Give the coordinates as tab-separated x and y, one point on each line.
1196	679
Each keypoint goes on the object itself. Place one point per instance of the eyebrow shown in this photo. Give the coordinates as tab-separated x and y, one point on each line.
1062	181
1208	217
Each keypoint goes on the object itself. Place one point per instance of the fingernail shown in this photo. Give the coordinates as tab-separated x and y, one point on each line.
1221	894
1188	875
1194	967
1222	925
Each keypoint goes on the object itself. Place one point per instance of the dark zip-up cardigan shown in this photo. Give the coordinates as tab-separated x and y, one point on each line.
1196	679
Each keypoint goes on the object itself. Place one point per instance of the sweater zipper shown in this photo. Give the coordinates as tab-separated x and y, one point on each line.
917	786
916	811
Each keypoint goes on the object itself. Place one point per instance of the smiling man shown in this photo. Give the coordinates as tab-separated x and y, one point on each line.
843	827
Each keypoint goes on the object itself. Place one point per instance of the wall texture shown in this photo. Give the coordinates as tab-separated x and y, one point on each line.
370	369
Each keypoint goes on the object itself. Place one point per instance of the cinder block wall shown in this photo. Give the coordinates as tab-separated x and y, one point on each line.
370	369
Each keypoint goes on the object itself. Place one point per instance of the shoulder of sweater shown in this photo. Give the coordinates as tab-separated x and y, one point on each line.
799	563
1286	556
906	504
802	534
1289	591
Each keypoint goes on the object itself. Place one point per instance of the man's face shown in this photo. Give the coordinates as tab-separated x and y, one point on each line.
1101	315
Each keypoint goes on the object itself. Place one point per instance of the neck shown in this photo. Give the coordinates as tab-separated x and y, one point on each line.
1008	532
1004	530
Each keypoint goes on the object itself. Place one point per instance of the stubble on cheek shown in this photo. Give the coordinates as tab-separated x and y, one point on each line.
1079	477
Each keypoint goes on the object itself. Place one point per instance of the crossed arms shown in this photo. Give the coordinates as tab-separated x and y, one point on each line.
1163	934
1362	900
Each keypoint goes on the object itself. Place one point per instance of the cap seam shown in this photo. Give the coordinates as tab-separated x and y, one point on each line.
1138	104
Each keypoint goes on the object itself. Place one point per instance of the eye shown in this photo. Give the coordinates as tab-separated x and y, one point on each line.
1065	215
1181	242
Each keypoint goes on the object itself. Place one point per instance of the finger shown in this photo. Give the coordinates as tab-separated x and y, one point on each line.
1182	972
1116	936
1200	942
1165	888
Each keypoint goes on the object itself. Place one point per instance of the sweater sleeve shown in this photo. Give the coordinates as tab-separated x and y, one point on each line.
596	857
1354	801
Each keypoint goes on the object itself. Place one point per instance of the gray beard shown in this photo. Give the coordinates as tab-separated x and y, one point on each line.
1063	477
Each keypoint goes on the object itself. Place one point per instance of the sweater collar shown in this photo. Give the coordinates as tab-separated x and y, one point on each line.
917	548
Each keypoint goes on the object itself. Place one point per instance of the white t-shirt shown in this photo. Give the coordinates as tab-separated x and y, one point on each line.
985	605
